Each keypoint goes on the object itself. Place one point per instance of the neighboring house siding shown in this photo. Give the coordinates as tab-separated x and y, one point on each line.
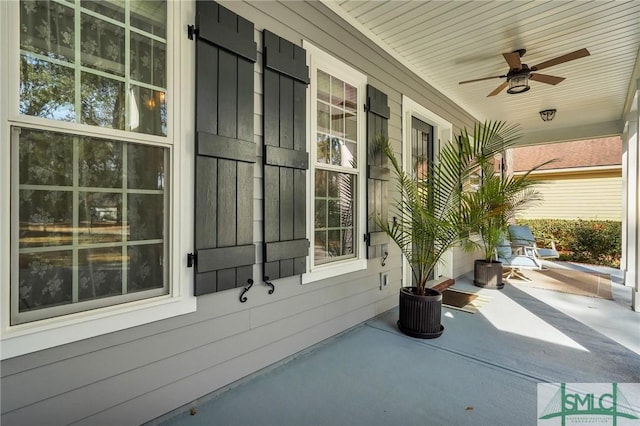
579	196
137	374
584	180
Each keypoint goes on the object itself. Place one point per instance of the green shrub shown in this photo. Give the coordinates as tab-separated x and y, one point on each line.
598	242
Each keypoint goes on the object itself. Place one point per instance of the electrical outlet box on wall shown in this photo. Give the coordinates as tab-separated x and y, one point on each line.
384	280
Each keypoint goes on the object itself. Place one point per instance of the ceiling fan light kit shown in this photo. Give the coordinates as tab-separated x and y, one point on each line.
519	83
519	74
548	114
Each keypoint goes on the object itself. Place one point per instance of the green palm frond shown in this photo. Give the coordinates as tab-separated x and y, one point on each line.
495	204
432	214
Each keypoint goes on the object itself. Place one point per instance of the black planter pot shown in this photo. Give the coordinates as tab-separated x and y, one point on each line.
420	316
487	274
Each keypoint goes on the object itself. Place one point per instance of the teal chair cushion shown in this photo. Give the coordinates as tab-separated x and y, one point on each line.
521	235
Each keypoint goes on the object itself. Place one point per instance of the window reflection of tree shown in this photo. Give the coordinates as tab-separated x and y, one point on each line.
102	101
47	89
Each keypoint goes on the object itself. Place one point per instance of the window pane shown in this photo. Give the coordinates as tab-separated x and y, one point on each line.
145	167
321	183
148	111
99	273
350	98
333	214
351	126
100	163
320	247
323	153
102	45
145	270
99	217
336	152
343	153
337	122
334	246
46	90
321	213
323	118
46	158
102	101
145	213
349	155
148	60
334	219
45	279
150	16
85	219
347	241
337	92
47	29
46	218
324	86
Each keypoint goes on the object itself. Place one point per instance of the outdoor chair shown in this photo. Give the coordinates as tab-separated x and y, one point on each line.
514	261
523	240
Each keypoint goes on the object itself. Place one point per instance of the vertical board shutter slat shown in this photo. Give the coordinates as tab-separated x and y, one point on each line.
285	78
377	172
225	149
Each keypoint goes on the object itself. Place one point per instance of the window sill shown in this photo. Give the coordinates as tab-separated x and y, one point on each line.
333	270
31	337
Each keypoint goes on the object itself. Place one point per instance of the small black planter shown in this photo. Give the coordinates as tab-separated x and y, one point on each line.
420	316
487	274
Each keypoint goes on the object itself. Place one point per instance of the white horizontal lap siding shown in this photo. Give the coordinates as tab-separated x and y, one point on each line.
598	198
135	375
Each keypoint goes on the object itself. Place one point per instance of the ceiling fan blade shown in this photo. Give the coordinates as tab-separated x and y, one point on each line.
482	79
513	59
560	59
544	78
498	89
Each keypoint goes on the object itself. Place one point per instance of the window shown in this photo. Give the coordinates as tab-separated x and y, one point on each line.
337	164
91	223
91	212
92	162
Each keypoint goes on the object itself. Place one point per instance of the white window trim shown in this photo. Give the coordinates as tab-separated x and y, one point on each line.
317	58
38	335
443	133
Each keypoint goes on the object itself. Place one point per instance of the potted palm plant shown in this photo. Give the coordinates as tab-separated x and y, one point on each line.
428	219
489	208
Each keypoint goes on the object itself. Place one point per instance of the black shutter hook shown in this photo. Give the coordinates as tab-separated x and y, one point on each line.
243	298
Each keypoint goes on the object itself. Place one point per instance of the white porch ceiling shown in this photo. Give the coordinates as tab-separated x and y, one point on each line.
445	42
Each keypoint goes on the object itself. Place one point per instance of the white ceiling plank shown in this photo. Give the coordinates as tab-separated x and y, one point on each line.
450	41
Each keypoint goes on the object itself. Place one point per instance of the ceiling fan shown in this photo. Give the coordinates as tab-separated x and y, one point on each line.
519	74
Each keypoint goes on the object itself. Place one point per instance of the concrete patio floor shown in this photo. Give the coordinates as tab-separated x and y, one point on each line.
484	370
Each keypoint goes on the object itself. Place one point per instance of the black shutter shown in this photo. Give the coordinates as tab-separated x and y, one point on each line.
285	78
377	172
225	149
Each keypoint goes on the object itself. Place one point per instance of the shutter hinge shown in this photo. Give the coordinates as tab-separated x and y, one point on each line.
367	239
366	104
192	32
191	260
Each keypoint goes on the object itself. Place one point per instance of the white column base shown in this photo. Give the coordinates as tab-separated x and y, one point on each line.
635	300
